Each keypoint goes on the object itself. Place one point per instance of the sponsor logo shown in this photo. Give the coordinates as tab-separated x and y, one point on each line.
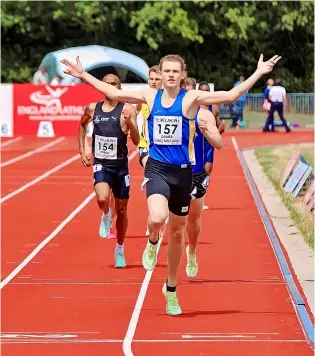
47	105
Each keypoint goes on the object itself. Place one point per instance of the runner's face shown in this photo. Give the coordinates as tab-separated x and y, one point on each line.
189	87
155	81
112	80
204	88
172	74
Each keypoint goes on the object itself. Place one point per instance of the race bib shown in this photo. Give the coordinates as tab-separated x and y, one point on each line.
105	147
167	130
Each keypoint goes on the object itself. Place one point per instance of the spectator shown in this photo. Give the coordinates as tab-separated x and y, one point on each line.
41	76
240	104
277	97
57	80
267	104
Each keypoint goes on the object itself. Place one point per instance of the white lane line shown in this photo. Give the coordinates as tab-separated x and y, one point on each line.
9	142
38	179
47	336
51	236
205	333
137	310
104	341
31	153
46	241
217	336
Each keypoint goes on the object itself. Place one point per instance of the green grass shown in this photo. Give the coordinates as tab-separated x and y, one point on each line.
255	119
274	161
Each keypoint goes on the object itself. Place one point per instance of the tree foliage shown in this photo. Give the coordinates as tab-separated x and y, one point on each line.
219	40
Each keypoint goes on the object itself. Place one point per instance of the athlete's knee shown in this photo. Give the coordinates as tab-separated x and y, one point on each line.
102	198
177	233
102	192
177	228
158	217
121	208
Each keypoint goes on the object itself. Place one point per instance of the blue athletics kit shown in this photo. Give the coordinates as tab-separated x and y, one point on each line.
203	154
171	149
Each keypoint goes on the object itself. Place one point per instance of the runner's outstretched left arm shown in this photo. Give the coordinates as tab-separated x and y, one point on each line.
221	97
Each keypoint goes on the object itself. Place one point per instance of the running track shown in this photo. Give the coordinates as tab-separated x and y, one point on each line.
70	300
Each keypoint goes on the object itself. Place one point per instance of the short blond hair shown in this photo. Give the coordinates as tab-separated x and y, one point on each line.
173	58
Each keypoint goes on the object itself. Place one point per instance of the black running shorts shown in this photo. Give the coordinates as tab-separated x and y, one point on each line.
172	181
117	178
200	184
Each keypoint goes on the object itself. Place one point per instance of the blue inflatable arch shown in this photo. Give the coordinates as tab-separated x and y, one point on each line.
93	57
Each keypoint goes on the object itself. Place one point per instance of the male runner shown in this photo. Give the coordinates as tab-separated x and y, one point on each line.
204	144
112	122
168	173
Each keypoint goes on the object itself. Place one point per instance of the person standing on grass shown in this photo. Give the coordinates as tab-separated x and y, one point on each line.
277	97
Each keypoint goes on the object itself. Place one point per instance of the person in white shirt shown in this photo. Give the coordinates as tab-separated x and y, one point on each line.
277	97
41	76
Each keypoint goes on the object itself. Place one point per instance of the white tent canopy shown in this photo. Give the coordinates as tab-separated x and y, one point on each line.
95	57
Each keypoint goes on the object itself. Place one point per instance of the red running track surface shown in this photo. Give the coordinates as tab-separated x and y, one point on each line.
70	300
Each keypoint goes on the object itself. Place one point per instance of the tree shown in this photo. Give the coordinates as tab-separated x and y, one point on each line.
219	40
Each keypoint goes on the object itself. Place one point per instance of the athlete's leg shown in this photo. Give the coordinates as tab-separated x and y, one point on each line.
194	223
193	231
175	248
179	204
158	213
158	193
102	185
121	190
112	204
121	227
102	191
122	219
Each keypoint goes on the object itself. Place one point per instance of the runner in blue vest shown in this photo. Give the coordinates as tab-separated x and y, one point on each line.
204	144
168	172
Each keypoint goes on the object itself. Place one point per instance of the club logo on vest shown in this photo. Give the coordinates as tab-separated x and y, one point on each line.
97	119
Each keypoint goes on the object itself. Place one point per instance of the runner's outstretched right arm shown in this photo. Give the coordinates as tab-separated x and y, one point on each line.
132	97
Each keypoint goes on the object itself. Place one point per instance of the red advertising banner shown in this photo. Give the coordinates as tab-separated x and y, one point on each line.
62	106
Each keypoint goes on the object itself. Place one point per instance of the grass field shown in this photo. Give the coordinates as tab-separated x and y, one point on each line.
274	161
255	119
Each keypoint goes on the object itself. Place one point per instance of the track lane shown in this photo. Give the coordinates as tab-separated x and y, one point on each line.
19	173
76	286
239	289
